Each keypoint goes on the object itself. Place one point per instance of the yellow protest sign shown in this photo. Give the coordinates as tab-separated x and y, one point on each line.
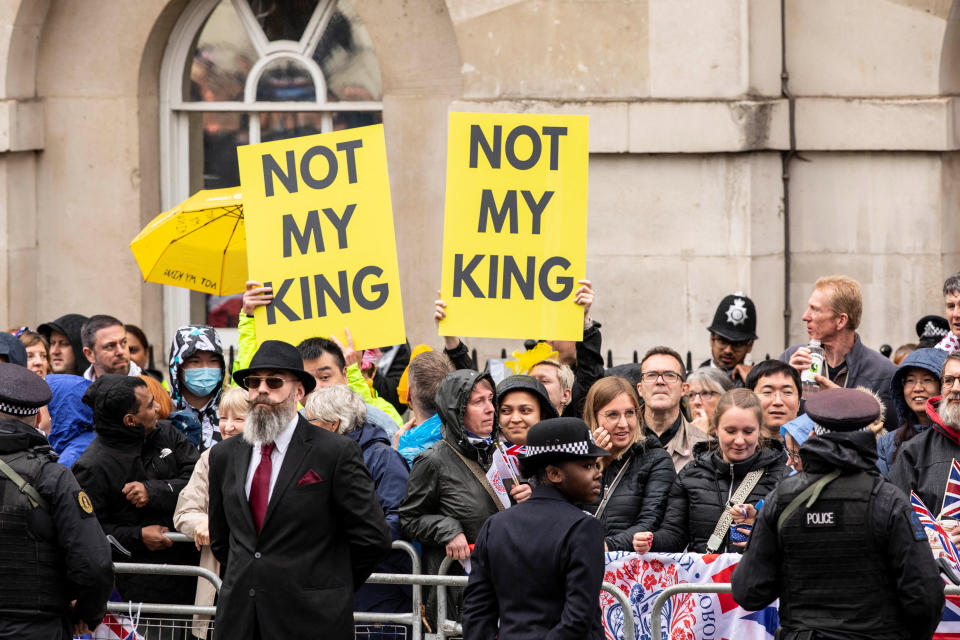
515	225
320	232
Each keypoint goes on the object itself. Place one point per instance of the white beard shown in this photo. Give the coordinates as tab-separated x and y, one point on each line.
264	422
949	412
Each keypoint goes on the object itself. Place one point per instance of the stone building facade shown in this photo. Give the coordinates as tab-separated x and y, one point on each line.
705	177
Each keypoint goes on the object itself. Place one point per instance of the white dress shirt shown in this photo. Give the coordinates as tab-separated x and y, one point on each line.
276	457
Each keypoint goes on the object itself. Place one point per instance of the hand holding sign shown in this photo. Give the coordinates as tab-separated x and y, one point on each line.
256	296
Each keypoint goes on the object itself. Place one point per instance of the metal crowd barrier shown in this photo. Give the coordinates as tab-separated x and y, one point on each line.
720	587
447	627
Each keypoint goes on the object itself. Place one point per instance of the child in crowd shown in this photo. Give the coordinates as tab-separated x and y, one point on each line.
537	567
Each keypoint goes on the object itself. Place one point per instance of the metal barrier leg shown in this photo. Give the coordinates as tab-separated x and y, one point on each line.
629	624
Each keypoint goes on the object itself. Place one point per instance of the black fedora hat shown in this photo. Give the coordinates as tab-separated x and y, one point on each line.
558	440
276	354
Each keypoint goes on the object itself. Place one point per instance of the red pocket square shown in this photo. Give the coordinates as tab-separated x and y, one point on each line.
310	477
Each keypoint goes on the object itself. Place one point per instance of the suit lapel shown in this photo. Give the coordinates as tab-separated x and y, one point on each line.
241	463
296	451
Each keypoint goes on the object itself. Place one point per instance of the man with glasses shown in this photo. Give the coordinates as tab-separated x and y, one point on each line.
293	512
923	463
661	388
732	334
777	384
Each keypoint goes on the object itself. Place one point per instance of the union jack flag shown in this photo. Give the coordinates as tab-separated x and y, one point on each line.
935	533
951	495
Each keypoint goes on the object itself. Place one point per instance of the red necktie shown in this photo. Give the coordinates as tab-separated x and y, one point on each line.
260	487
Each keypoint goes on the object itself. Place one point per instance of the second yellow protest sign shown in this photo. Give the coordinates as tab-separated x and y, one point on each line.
320	232
515	225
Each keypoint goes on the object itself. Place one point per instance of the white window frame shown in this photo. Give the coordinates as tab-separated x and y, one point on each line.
175	111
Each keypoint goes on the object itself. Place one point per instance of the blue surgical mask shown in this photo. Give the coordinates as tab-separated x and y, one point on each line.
203	381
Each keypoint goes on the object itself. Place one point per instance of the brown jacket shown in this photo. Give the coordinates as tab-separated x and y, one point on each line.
191	513
680	447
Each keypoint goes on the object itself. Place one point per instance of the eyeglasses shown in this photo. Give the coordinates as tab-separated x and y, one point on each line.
614	416
948	381
670	377
926	381
273	382
705	396
793	454
785	394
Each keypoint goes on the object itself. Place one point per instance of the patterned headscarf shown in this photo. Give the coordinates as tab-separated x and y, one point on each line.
187	341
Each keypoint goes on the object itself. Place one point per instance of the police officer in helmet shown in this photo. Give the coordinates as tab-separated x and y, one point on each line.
838	544
55	571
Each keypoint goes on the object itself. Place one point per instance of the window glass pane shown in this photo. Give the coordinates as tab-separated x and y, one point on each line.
286	81
283	125
351	119
219	135
222	59
345	53
283	19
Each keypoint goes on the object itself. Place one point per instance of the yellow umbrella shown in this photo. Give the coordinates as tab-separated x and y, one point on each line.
200	244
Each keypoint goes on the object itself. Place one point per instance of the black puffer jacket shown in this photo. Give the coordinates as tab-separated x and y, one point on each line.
163	461
640	498
698	497
443	497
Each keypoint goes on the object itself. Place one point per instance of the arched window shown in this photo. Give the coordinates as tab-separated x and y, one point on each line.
239	72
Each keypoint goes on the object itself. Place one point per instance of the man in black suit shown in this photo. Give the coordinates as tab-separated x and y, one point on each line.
293	513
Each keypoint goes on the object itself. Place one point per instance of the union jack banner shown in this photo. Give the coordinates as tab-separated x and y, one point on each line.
940	542
951	495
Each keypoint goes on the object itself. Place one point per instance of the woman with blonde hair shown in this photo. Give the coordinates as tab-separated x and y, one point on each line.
731	473
190	517
638	474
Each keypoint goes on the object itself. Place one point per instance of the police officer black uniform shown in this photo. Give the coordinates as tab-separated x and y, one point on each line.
839	545
52	549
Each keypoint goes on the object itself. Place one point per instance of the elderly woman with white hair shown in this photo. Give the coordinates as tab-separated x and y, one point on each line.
342	411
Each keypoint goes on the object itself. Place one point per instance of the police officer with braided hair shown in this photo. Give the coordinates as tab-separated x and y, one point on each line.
838	544
55	571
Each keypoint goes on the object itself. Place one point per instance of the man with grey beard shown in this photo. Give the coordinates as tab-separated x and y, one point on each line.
924	462
294	516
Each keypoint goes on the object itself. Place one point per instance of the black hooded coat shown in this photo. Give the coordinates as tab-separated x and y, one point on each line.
163	461
69	325
444	498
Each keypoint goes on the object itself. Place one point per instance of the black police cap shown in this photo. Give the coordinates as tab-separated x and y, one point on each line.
22	392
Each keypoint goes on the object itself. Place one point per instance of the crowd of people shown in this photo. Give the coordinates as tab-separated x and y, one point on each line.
294	471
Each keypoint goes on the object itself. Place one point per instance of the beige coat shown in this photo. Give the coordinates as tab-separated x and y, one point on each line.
191	513
680	447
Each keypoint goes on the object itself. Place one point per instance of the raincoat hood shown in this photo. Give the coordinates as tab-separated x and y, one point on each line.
107	397
451	399
368	433
69	416
930	360
187	341
69	325
530	385
851	451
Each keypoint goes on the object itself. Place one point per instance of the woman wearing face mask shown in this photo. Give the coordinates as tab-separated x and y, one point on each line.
738	464
190	517
196	382
638	473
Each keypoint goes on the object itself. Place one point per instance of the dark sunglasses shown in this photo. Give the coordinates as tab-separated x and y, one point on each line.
273	382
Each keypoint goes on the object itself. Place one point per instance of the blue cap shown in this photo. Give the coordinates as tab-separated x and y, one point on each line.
799	428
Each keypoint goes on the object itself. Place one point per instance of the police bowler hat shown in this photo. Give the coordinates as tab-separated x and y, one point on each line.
558	440
735	319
